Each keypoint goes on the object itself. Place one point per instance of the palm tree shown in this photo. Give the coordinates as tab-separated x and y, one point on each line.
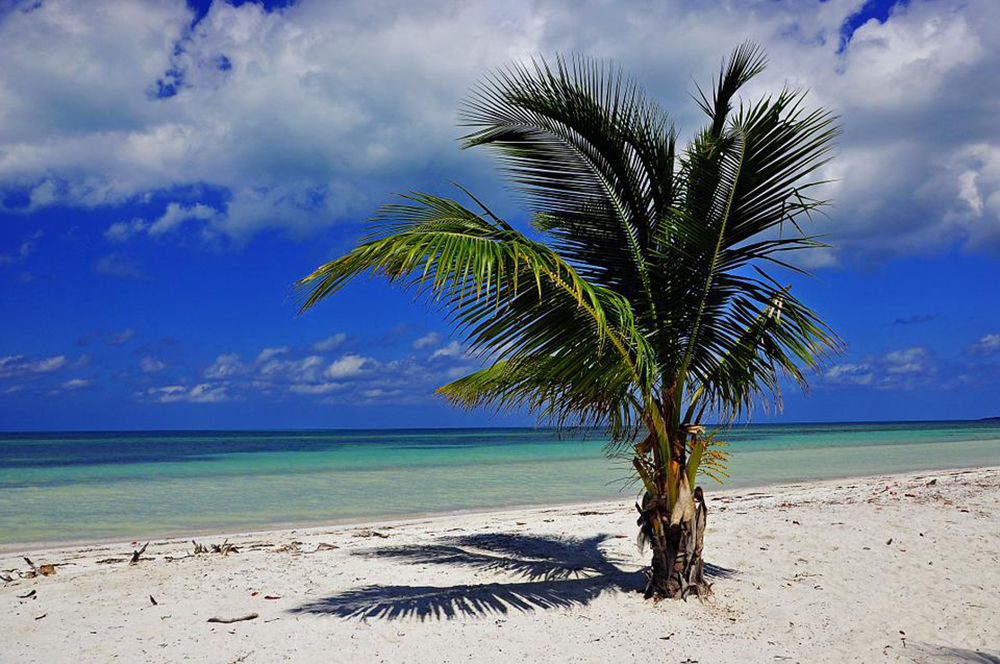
647	310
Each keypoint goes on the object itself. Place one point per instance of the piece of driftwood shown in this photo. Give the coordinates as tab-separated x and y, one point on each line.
171	559
137	554
45	569
27	595
323	546
225	548
5	578
226	621
370	533
111	561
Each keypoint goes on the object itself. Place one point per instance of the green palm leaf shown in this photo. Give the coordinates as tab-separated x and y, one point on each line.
504	291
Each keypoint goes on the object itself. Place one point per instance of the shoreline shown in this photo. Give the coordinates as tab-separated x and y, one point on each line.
284	528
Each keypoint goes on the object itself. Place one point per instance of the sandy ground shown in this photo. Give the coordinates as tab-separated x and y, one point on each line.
902	568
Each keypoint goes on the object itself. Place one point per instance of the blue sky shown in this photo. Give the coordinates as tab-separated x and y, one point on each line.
167	171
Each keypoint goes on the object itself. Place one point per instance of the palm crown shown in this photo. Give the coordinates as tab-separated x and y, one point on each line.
649	304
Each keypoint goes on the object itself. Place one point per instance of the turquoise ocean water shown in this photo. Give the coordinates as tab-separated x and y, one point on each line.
69	486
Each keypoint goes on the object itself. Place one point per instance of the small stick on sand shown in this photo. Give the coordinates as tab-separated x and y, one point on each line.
249	616
171	559
136	554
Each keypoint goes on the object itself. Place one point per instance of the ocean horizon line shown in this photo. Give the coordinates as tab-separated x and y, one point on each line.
475	428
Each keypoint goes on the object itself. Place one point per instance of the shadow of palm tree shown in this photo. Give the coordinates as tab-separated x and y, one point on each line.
927	653
553	572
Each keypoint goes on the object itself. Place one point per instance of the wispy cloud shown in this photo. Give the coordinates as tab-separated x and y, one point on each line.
906	368
112	338
121	338
286	372
915	320
150	364
201	393
330	343
452	350
26	249
987	345
171	220
306	369
77	384
850	374
225	366
268	353
19	365
429	339
72	385
121	266
315	388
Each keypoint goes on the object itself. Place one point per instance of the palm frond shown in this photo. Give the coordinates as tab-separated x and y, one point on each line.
509	296
593	156
574	387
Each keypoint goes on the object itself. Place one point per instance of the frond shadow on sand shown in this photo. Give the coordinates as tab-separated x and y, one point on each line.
550	573
929	653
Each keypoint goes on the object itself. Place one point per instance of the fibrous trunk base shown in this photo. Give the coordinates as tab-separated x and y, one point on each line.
677	569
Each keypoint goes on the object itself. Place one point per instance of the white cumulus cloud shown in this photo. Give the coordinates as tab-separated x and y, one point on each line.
306	117
453	349
347	366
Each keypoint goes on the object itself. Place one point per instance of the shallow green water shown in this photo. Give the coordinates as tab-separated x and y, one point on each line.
132	484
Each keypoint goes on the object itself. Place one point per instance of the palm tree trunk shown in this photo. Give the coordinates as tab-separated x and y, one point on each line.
677	537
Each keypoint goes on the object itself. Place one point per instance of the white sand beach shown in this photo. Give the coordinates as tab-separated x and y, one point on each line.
902	568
